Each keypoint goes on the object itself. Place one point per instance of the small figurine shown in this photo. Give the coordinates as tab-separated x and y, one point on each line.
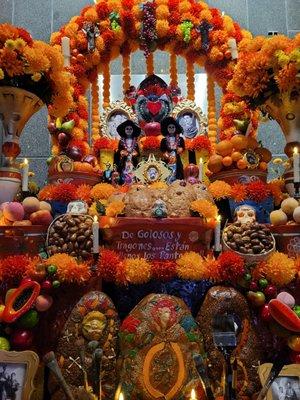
126	157
107	174
172	145
159	209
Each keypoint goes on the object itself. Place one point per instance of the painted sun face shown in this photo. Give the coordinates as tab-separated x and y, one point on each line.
93	325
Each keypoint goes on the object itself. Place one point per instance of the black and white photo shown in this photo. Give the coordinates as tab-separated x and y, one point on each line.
286	388
12	378
189	123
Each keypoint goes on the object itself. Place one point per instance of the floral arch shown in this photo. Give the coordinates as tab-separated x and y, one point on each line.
186	28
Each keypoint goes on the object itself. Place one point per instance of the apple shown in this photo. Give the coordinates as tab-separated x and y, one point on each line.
41	217
31	204
257	299
152	129
21	339
13	211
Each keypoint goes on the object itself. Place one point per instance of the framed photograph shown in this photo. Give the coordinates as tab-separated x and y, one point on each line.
286	386
113	116
191	119
17	372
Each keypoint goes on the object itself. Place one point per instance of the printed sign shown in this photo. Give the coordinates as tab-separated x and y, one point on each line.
153	239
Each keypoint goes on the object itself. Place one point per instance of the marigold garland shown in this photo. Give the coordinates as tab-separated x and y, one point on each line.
219	190
126	72
106	85
137	270
190	75
190	266
95	110
68	269
173	70
211	100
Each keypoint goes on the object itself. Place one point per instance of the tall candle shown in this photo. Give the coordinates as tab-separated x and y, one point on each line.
65	48
95	235
296	165
121	396
217	246
193	394
25	175
233	48
201	170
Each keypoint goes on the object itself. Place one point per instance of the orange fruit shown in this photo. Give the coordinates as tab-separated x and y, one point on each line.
215	163
241	164
227	161
224	148
263	166
82	167
236	156
239	142
264	154
252	143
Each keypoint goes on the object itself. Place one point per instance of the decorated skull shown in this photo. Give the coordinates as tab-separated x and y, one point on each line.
245	214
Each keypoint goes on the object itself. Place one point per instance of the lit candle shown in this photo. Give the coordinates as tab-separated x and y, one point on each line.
193	394
233	48
121	396
95	235
65	48
296	159
201	170
217	246
25	175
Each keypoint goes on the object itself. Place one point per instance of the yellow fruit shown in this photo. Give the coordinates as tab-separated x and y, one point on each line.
239	142
236	156
224	148
294	343
215	163
278	217
288	205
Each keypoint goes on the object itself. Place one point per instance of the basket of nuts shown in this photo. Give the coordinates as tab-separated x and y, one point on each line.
71	234
253	241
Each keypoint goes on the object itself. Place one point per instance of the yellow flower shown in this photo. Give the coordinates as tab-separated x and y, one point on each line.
102	191
279	269
1	74
115	208
137	270
204	208
219	190
36	77
20	43
190	266
10	44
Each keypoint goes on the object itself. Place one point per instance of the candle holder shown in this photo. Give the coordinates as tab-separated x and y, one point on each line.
216	253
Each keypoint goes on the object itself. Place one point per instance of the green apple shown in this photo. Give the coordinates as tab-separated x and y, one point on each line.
263	283
29	320
297	310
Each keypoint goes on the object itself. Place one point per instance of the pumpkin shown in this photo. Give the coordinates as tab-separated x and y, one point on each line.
215	163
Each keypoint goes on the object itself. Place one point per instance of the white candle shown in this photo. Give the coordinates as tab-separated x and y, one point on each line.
296	165
201	170
121	396
193	395
65	48
218	246
95	235
25	175
233	48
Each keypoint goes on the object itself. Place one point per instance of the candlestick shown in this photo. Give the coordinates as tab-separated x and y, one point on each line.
233	48
65	48
217	246
25	175
201	170
193	394
95	235
296	166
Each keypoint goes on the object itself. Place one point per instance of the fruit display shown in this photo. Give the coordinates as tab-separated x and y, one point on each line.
251	238
30	212
289	213
239	152
71	234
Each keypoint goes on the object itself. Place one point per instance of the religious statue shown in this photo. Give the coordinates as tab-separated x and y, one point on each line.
172	145
128	151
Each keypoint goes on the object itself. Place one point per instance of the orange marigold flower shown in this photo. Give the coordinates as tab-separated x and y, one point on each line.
47	193
10	63
204	208
102	191
83	192
279	269
238	192
220	190
68	269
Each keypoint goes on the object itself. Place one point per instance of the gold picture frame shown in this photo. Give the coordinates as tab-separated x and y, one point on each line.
152	170
121	112
17	373
196	118
289	375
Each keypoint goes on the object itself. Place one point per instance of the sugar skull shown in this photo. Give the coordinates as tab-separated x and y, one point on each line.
245	214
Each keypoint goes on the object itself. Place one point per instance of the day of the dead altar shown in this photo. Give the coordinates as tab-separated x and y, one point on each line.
159	261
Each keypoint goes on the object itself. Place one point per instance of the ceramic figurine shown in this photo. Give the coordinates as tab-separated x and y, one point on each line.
126	157
159	209
245	214
172	145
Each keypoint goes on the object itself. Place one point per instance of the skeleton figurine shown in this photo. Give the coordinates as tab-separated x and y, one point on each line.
91	30
159	209
245	214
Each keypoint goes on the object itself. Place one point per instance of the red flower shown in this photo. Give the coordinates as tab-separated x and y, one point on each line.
232	266
107	265
25	36
201	143
65	192
151	143
130	324
78	90
163	270
78	69
82	112
13	267
258	191
102	10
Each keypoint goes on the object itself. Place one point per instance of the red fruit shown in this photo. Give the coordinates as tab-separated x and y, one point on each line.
152	129
295	357
46	285
253	286
265	313
25	280
284	315
21	339
13	211
91	160
52	128
41	217
63	139
80	58
271	291
74	152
